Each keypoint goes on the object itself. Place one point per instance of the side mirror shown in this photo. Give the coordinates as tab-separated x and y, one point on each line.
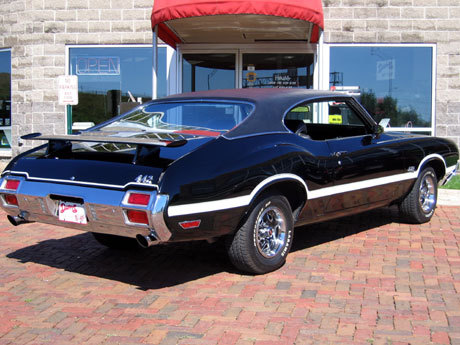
378	130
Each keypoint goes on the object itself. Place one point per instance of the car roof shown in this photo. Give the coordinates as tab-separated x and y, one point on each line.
271	104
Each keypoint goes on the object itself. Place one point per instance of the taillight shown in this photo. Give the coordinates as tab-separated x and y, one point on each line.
138	217
139	199
10	199
12	184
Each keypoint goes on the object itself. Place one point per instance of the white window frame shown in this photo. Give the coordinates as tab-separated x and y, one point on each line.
5	152
325	76
171	67
240	49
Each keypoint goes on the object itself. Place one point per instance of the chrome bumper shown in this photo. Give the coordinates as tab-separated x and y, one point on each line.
105	208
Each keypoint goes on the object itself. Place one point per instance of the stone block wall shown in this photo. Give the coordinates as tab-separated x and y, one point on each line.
38	32
407	21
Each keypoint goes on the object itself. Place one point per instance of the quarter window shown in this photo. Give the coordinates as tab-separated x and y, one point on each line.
325	120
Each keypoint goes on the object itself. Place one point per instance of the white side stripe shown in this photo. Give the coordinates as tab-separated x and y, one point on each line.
209	206
349	187
224	204
245	200
240	201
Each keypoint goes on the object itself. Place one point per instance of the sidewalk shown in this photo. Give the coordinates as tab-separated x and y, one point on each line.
449	197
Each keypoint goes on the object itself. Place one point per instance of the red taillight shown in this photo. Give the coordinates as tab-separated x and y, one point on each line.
139	217
12	184
11	199
190	224
139	199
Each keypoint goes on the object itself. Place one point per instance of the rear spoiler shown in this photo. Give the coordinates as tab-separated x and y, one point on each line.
147	149
158	139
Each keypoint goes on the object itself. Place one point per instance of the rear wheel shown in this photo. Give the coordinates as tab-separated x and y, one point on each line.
116	242
262	243
419	205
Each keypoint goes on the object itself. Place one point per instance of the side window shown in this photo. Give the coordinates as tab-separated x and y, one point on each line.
325	120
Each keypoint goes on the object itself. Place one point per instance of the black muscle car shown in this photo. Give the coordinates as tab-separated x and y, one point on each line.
245	165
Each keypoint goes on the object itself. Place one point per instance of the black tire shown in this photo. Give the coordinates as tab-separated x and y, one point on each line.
419	205
249	251
116	242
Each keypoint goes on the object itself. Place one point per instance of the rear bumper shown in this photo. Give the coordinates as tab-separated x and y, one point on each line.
106	209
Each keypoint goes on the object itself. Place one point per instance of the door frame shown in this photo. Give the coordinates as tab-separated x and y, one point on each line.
240	49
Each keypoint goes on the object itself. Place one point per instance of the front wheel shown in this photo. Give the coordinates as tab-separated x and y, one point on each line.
262	243
419	205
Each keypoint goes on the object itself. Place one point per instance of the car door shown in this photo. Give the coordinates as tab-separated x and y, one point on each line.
365	166
362	167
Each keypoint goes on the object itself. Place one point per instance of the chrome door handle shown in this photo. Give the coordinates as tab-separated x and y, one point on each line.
339	153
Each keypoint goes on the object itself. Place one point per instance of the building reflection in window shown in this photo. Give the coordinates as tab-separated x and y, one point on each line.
112	80
390	81
201	72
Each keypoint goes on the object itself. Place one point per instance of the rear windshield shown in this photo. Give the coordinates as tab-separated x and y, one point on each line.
203	118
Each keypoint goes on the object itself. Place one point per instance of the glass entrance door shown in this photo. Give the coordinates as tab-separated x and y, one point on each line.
208	71
262	66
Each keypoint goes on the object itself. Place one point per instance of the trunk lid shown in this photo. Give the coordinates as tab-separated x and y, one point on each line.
106	159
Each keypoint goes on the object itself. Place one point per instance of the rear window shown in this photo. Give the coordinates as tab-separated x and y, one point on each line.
205	118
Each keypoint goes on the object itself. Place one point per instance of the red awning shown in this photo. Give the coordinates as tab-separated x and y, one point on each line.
237	21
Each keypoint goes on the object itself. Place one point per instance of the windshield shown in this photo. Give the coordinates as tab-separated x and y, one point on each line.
196	118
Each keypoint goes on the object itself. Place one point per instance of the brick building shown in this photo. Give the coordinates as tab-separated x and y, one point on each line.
401	57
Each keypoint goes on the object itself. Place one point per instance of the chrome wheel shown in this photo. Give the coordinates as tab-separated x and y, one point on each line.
427	193
270	231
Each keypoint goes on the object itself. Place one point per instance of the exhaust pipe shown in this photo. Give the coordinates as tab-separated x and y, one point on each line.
147	241
17	220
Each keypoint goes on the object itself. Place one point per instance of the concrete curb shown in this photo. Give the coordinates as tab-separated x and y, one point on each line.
449	197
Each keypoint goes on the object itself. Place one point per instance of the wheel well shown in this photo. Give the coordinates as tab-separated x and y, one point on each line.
293	191
437	166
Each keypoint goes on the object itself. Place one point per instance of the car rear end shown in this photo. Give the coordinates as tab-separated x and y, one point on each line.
124	208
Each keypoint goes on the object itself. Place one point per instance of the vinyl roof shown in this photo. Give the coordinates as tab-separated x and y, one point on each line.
270	105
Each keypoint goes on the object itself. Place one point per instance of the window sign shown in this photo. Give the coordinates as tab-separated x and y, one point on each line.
393	82
386	69
98	65
265	70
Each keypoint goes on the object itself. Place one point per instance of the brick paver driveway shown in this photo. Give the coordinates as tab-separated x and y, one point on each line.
359	280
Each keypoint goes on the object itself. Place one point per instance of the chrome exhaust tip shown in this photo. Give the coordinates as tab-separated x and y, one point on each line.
17	220
146	241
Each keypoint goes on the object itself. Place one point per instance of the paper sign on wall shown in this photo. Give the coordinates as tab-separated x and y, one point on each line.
68	89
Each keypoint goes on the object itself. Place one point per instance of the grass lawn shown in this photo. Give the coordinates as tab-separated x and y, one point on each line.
454	183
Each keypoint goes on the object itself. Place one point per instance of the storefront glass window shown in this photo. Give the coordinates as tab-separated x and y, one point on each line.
112	80
5	98
202	72
391	82
278	70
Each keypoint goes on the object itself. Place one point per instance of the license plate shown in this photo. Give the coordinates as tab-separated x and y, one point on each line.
72	212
